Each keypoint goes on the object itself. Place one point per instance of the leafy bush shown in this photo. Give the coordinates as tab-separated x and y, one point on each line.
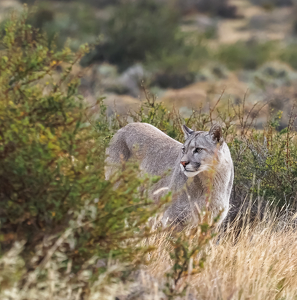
177	67
289	55
40	133
272	168
243	55
51	160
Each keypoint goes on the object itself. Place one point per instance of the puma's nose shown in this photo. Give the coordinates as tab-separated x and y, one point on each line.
184	163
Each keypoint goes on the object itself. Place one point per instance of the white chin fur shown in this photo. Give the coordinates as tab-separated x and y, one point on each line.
191	174
188	174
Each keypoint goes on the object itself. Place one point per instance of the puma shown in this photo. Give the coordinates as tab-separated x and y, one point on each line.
189	166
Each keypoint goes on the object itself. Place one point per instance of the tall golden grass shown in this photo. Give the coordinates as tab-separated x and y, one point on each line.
257	260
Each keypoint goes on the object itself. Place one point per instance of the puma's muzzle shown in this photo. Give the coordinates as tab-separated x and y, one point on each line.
189	169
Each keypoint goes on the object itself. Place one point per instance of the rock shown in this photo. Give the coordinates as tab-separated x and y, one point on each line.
131	79
128	83
107	71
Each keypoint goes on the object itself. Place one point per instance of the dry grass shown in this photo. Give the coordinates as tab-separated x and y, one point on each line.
259	263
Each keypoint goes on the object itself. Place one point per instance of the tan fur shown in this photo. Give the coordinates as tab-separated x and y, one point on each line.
157	154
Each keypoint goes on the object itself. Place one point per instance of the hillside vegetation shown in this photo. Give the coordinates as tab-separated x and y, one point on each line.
67	233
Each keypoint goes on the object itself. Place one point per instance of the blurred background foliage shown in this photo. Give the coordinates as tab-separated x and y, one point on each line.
173	41
169	43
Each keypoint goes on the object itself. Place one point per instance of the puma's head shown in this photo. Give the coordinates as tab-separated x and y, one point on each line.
200	149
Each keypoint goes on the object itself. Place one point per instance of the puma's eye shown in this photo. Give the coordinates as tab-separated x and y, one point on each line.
183	150
198	150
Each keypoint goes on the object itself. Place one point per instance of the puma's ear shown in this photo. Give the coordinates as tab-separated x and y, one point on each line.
187	131
216	133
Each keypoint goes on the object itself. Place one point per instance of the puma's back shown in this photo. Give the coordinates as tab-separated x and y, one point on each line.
155	151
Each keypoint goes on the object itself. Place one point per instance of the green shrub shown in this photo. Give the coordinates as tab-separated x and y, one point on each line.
40	133
51	159
289	55
245	55
177	67
267	165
